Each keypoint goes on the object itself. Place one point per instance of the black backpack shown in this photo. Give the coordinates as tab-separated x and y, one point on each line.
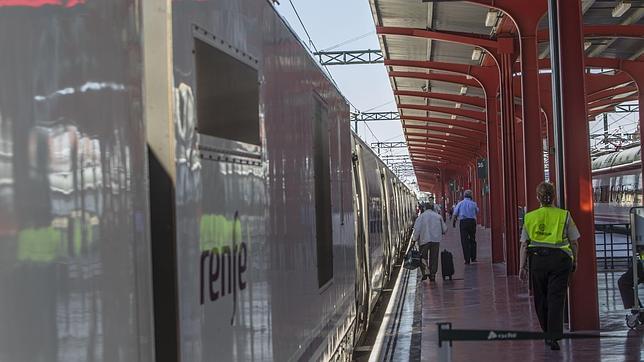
412	258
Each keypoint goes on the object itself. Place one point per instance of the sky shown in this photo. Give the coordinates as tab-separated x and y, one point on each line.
367	87
331	23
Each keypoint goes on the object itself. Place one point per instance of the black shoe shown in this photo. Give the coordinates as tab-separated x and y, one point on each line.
554	345
474	260
425	277
432	278
467	263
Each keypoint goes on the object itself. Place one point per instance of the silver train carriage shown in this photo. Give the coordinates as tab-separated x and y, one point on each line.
178	181
617	185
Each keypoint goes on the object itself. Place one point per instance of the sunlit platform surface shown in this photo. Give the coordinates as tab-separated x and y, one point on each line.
481	296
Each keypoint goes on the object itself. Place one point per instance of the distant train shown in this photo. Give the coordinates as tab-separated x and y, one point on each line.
617	185
182	187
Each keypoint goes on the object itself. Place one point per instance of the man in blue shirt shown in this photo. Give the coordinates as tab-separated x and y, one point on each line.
466	211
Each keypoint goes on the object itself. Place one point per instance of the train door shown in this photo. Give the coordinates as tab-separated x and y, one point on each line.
386	226
363	290
398	218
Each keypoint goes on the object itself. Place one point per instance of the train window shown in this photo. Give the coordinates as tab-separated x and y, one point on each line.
605	194
628	194
323	226
227	95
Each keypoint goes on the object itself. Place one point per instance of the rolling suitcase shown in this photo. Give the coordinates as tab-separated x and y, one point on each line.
447	264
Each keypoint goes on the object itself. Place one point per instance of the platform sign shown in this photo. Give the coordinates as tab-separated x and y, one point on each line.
481	168
637	225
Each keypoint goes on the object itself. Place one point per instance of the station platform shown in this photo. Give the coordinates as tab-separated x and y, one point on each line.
481	296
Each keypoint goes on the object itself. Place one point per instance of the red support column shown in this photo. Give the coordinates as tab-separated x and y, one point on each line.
495	181
526	16
475	189
532	155
509	164
584	309
442	185
521	161
546	105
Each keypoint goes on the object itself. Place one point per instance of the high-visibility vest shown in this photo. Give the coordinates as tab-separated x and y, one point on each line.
546	228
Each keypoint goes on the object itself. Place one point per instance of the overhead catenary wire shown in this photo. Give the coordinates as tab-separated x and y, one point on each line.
299	18
369	128
328	72
315	49
312	44
378	106
610	124
621	126
332	47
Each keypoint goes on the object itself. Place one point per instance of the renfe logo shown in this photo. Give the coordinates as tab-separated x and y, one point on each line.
222	269
501	335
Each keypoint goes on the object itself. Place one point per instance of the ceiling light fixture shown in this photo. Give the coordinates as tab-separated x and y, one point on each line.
621	8
463	90
457	105
491	17
476	54
453	116
587	44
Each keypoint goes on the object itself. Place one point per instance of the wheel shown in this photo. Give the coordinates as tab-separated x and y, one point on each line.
632	320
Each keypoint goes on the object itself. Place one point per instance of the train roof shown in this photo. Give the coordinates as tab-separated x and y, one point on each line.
619	158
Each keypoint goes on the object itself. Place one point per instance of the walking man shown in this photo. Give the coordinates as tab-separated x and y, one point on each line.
466	211
428	232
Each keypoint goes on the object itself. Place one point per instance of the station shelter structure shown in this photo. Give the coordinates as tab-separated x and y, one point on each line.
474	89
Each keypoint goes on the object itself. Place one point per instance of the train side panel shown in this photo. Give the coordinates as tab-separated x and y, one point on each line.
281	193
614	193
74	244
383	237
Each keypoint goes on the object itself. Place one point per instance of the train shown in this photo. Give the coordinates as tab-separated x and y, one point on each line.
617	185
179	181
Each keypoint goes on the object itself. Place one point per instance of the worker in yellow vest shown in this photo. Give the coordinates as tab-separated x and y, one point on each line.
549	237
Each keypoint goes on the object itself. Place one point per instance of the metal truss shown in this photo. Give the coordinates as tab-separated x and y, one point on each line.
626	108
375	116
389	145
395	157
349	57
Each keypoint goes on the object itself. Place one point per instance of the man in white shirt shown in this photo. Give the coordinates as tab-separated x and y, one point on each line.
428	232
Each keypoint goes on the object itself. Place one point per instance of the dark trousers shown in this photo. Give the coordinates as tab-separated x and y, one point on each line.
429	252
468	239
550	269
625	283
